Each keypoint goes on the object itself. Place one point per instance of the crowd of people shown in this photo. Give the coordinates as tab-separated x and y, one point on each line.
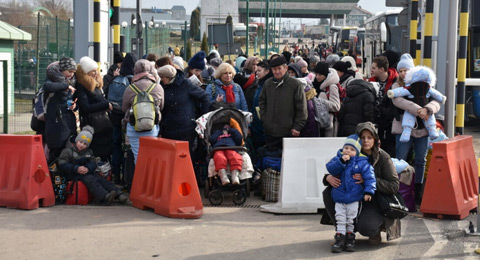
282	92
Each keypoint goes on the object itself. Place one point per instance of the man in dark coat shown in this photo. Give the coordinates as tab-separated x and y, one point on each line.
283	106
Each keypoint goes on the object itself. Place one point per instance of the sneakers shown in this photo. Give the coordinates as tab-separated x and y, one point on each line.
223	176
375	239
235	179
110	197
339	243
350	242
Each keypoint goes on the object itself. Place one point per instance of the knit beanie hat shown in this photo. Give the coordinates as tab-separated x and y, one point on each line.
355	142
177	60
287	55
197	61
86	135
117	57
238	62
88	64
302	63
332	59
214	53
215	62
351	60
67	63
406	62
322	68
167	71
340	66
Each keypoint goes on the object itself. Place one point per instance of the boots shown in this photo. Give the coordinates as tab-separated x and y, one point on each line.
418	193
350	242
339	243
235	179
223	176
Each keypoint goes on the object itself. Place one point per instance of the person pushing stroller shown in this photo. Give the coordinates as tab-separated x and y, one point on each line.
221	140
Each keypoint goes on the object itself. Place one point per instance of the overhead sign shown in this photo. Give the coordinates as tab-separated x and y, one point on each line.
396	3
220	34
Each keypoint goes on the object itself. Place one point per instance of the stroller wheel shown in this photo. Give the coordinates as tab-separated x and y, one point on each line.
215	197
239	197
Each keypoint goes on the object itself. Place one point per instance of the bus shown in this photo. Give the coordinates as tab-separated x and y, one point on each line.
383	32
340	38
239	30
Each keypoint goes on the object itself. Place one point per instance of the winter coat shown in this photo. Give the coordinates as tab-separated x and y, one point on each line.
348	76
349	191
143	78
333	99
358	107
311	125
71	159
386	177
108	78
240	101
256	127
283	106
90	99
403	104
60	122
232	138
184	103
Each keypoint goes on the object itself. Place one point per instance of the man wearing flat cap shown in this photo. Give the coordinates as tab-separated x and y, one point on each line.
283	106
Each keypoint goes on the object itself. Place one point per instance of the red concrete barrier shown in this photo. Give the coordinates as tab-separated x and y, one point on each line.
24	177
164	179
451	188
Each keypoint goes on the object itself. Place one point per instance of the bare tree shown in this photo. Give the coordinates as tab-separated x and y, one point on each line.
63	9
16	13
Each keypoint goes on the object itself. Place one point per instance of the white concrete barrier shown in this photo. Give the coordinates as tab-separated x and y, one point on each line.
303	168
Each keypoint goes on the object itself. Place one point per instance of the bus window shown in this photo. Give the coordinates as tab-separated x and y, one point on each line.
392	20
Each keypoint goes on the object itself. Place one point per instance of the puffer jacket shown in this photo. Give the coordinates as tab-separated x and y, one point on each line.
332	97
358	107
71	159
349	191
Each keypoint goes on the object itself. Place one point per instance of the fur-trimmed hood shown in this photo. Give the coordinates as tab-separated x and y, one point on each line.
87	81
332	78
420	74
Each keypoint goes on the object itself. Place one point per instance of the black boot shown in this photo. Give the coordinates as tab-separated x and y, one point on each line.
418	193
350	242
339	243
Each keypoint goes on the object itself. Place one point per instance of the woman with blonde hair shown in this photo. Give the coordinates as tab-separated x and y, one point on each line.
223	92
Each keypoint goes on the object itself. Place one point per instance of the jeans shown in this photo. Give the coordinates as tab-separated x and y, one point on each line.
133	137
420	147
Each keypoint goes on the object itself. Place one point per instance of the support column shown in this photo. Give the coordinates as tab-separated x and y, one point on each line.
461	68
96	30
413	30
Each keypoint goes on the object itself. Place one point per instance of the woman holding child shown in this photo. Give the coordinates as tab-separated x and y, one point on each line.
370	221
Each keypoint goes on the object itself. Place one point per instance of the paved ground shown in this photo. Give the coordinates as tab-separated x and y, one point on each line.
120	232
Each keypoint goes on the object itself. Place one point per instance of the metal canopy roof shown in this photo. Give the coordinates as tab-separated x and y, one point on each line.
10	32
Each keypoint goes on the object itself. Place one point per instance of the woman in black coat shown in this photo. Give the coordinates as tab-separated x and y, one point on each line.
184	102
358	106
90	99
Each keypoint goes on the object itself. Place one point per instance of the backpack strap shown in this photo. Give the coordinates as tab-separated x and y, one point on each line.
150	88
134	88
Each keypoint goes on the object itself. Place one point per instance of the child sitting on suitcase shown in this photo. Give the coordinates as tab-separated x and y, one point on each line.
78	163
348	162
227	137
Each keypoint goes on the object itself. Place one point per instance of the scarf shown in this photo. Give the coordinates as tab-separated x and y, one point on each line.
229	93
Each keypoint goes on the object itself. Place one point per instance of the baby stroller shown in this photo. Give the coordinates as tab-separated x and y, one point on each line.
206	126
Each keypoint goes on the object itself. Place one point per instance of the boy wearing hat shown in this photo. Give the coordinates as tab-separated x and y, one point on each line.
348	162
78	162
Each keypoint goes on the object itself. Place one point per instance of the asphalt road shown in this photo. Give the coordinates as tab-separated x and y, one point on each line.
121	232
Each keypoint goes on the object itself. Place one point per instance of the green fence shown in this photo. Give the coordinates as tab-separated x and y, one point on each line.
155	40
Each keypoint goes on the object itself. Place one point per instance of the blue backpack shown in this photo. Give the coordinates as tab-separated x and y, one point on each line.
117	88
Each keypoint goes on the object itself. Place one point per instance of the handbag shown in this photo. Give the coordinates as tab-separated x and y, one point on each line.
100	121
392	206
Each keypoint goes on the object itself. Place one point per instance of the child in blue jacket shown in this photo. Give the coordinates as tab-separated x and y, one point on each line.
348	162
227	137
